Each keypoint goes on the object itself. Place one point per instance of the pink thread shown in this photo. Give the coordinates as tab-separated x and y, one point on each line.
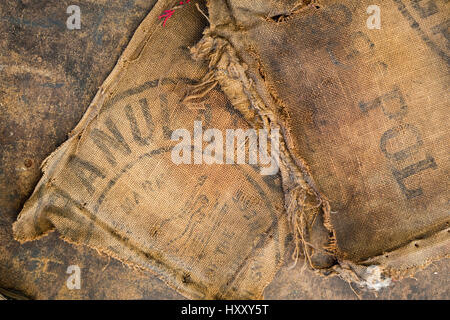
168	13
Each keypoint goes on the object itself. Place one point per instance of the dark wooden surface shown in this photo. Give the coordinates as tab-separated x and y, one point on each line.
48	77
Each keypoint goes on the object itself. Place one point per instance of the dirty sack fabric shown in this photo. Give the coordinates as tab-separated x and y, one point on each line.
209	231
364	117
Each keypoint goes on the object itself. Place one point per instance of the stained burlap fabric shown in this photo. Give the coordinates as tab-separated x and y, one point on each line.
364	169
209	231
363	113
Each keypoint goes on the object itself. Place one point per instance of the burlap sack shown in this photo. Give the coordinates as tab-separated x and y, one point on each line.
364	113
209	231
363	161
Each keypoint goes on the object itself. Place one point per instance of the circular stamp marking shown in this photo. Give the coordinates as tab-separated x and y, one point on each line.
196	211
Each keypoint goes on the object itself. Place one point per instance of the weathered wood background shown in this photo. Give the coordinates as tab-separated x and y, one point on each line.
49	74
